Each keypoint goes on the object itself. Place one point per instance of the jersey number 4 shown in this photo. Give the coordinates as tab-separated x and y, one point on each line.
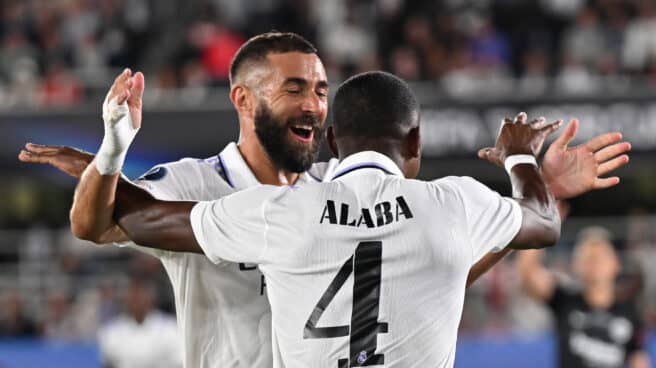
364	329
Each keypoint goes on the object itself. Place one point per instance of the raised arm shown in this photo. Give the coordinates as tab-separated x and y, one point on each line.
536	280
540	221
91	213
101	199
569	172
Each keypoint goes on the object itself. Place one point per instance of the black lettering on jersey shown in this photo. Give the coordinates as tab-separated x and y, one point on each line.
383	211
343	216
383	214
245	267
403	207
262	284
329	213
366	217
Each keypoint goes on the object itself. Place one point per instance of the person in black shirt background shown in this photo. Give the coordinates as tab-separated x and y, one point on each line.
595	329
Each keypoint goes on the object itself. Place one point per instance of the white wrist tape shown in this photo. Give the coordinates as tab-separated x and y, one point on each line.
119	133
513	160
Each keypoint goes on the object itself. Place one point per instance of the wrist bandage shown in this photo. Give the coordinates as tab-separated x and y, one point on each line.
513	160
119	133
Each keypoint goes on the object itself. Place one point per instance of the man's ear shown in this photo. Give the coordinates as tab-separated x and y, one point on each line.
413	143
330	138
242	99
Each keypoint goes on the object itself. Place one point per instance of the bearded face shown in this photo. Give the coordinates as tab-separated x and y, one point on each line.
292	143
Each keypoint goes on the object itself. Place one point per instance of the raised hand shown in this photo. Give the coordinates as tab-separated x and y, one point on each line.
519	137
122	120
572	171
69	160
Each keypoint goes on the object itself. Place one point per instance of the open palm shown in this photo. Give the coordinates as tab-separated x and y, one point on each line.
571	171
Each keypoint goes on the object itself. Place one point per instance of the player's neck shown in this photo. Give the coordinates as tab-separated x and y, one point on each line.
265	171
601	295
389	148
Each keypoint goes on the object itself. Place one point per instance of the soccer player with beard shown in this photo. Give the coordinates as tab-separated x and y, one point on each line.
408	244
279	89
221	310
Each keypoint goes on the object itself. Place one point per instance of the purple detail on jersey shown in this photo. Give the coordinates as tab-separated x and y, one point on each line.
221	169
362	357
362	165
312	176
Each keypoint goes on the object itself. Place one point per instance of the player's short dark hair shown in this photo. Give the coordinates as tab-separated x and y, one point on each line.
372	105
257	48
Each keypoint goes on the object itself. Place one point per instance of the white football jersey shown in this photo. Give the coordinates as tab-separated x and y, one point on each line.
222	310
368	269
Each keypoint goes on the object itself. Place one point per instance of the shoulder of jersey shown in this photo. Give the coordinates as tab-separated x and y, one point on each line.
182	166
323	171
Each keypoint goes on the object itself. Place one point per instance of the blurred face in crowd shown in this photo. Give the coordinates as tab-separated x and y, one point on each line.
595	262
291	109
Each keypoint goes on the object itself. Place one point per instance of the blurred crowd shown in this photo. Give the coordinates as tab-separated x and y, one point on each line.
59	52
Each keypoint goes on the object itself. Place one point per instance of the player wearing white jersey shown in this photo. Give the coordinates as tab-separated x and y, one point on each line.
408	244
193	277
223	312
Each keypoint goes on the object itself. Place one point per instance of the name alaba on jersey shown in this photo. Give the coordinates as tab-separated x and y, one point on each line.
365	269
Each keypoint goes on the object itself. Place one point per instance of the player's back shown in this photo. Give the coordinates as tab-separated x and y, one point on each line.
366	270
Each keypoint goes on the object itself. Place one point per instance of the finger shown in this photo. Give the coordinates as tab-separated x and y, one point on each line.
567	135
40	148
538	123
613	164
521	118
603	140
603	183
138	84
609	152
124	96
119	83
490	154
26	156
549	129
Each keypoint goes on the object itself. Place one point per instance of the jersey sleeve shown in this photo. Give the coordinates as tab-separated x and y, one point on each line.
488	221
233	228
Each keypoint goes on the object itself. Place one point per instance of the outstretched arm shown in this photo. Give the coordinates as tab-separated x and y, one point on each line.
569	172
71	161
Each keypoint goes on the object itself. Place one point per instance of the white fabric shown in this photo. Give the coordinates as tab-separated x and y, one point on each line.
155	343
513	160
119	134
427	252
222	310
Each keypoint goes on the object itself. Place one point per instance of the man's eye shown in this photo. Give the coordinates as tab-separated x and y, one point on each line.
322	93
293	91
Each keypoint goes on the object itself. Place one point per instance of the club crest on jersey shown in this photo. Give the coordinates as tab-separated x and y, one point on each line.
383	213
362	357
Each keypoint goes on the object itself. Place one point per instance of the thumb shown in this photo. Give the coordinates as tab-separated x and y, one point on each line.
567	135
489	154
138	85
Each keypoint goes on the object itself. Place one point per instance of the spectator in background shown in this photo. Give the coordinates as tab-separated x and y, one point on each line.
594	327
142	337
585	40
639	42
13	322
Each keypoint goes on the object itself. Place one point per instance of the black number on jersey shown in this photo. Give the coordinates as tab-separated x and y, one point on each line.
365	264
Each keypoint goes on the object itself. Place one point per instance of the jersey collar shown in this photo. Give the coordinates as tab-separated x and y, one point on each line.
366	160
237	172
